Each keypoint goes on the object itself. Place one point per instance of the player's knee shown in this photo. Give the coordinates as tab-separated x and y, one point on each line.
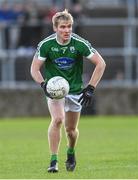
57	121
71	132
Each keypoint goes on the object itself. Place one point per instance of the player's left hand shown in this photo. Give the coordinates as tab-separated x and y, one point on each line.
87	95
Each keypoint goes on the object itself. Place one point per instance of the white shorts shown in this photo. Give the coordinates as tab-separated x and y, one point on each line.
70	103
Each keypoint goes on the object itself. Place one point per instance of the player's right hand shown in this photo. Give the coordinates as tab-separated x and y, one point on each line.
44	87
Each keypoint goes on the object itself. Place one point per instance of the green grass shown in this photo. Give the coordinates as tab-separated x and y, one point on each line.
107	148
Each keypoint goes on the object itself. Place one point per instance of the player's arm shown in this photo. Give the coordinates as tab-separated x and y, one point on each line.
37	76
35	70
100	65
88	92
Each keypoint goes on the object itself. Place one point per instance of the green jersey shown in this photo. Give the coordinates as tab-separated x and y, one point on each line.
65	60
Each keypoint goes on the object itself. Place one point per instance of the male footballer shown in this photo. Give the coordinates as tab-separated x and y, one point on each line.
62	55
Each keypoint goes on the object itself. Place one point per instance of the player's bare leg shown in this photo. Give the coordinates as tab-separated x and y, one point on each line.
71	127
56	109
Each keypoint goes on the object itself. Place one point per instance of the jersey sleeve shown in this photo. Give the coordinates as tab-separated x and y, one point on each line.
87	50
41	52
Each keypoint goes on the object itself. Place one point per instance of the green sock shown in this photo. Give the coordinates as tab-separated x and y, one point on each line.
54	157
70	150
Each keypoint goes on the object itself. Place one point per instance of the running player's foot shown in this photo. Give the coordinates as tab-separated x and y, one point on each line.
71	162
53	168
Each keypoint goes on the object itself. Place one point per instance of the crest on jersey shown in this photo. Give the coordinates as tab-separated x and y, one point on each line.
72	49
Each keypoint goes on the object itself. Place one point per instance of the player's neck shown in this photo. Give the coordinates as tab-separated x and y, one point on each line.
62	42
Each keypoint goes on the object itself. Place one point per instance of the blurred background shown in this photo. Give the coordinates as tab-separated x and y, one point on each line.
110	25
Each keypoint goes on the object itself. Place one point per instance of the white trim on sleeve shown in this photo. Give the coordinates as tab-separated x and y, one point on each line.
90	55
41	58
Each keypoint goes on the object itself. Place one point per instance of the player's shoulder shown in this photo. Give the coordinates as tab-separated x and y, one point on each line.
48	40
78	38
81	40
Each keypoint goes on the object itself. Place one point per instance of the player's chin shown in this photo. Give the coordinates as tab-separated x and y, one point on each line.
66	38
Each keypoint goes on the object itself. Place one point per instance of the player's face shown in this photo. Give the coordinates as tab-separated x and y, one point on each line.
64	30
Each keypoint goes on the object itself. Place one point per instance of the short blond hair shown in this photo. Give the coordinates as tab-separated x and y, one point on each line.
63	15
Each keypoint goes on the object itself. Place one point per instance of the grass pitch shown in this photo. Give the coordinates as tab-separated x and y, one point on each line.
107	148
